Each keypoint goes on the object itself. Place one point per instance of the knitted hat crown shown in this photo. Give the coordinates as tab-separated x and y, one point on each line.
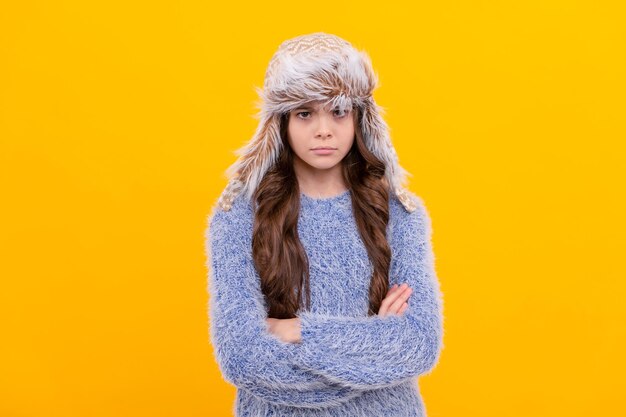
323	68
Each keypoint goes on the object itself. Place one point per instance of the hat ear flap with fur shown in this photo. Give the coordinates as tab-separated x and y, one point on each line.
376	136
255	159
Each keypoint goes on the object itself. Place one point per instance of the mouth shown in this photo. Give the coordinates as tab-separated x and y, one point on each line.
324	150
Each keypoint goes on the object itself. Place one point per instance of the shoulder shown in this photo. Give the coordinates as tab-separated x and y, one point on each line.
236	220
402	220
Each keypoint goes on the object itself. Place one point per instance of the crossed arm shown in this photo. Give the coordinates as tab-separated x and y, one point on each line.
290	330
318	360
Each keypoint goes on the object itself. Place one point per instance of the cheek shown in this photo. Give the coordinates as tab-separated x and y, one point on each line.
349	134
296	138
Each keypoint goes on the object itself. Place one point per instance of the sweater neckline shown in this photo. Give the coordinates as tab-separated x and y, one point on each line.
344	195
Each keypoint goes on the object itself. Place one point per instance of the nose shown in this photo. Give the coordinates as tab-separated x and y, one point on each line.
323	127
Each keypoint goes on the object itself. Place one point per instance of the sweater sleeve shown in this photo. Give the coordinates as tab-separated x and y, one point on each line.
248	356
379	351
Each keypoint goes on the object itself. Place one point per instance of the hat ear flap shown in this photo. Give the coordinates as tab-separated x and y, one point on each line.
376	137
255	158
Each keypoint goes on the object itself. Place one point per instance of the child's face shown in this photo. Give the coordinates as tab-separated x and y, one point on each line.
312	126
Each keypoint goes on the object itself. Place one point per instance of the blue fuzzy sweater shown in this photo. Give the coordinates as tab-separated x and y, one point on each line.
348	363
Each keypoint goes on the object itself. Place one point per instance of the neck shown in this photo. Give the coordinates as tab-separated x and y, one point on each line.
319	182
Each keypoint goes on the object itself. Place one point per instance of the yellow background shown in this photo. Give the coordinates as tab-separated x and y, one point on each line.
118	119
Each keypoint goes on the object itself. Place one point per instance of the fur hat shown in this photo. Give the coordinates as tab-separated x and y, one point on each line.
317	67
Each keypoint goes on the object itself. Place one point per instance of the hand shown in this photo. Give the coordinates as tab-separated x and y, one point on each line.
287	330
395	300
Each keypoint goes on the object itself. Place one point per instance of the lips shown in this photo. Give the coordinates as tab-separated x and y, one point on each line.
323	151
324	147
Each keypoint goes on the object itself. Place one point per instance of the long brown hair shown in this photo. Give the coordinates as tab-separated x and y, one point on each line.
278	254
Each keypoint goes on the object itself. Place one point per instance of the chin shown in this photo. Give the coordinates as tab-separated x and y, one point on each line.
326	165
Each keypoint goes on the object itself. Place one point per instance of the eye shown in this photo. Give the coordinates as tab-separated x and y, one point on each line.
341	113
302	112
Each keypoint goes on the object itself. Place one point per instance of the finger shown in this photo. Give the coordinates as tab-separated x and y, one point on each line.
391	298
403	308
393	295
402	298
392	289
383	309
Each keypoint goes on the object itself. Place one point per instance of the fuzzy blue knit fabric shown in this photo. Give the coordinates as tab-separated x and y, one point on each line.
348	363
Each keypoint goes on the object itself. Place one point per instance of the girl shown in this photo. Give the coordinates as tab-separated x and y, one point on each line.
324	300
